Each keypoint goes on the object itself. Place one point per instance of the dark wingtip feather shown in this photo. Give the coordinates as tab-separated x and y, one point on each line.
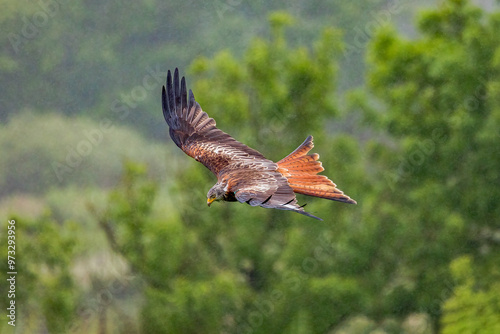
170	94
177	93
183	95
191	98
164	104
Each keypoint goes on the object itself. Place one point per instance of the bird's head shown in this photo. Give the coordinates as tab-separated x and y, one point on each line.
216	193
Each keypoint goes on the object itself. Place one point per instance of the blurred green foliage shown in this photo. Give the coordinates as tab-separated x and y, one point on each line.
473	307
44	287
76	152
88	54
417	148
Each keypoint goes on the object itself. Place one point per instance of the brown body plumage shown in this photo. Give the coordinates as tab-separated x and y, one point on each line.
243	174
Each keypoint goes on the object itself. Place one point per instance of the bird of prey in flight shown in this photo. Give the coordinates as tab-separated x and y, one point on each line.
243	174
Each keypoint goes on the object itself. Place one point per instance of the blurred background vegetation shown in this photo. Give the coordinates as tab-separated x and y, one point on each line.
113	233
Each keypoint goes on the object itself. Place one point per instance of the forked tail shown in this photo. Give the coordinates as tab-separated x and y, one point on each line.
301	168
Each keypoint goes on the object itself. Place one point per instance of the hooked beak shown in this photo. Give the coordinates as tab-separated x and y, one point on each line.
210	200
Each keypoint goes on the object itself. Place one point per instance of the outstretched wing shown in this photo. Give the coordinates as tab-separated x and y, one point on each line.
268	189
196	134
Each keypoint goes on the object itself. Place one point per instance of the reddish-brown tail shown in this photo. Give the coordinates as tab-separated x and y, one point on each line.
301	168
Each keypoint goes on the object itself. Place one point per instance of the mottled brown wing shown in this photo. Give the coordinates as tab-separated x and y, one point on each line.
268	189
196	134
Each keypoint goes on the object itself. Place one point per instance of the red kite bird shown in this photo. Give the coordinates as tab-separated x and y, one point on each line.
243	174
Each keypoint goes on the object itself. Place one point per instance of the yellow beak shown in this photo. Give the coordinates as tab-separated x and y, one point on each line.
210	200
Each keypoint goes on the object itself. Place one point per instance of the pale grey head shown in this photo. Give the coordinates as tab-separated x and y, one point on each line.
216	193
